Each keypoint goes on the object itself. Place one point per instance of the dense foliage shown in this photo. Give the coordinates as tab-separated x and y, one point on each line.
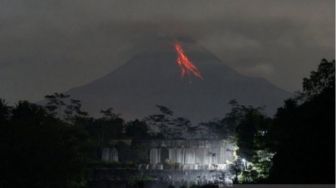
304	132
39	150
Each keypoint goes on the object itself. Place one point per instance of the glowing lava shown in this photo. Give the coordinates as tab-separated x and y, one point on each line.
185	64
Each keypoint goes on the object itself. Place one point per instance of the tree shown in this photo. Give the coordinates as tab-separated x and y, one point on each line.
181	127
62	106
250	127
304	132
321	80
137	129
4	112
110	126
40	150
159	123
227	127
55	103
166	125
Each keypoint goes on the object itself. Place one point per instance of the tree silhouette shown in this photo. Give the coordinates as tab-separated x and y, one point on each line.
137	129
4	112
166	125
320	80
40	150
62	106
304	132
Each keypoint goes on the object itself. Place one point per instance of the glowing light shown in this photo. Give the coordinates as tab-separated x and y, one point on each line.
235	149
185	64
228	162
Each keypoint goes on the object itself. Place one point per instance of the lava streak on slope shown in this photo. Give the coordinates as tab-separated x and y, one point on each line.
185	64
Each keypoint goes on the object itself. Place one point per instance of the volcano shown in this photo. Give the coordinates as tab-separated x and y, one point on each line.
153	77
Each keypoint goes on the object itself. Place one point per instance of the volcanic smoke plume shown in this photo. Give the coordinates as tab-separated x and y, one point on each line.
185	64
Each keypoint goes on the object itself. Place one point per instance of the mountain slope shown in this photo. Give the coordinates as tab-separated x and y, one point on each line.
153	77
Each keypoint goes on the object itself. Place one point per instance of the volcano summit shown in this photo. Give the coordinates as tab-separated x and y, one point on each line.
153	77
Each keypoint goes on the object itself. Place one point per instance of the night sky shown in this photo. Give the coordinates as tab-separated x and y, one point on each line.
55	45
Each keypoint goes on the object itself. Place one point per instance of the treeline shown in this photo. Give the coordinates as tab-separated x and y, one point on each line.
297	145
54	145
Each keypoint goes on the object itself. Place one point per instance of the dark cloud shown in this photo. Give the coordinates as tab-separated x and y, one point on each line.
54	45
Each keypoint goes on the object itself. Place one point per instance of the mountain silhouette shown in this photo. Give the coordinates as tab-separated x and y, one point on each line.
153	77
